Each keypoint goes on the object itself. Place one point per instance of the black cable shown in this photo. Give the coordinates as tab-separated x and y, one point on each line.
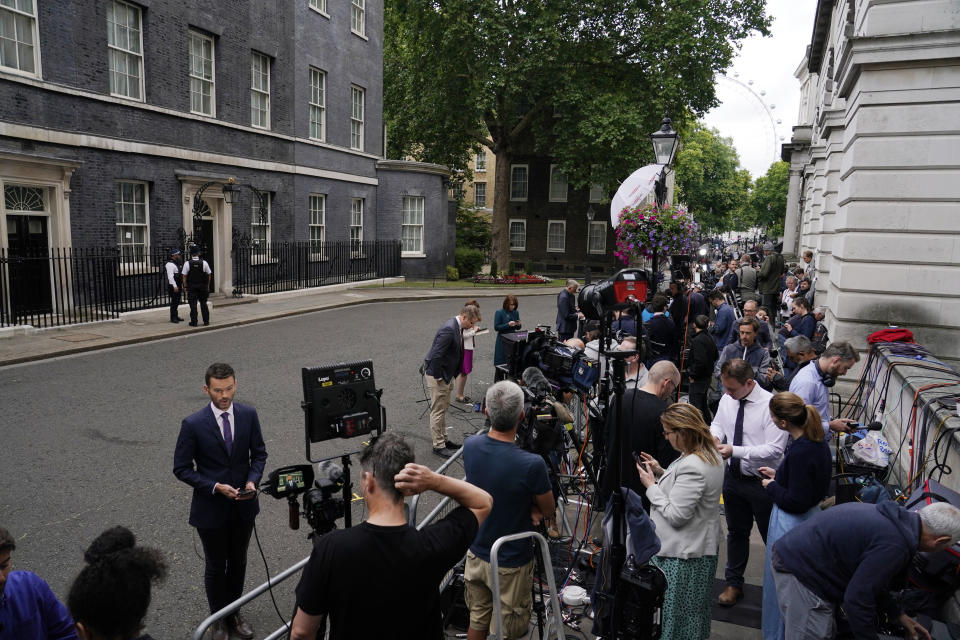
269	580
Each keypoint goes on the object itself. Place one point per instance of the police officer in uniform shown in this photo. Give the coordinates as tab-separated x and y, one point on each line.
173	284
196	280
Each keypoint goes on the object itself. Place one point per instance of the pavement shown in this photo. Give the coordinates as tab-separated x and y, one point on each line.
28	344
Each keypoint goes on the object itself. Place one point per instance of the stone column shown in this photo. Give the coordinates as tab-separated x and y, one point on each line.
792	220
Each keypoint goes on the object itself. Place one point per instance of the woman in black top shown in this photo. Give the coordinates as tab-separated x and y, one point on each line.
703	355
796	487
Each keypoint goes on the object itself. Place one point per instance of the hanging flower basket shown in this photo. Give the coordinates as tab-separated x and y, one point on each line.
648	230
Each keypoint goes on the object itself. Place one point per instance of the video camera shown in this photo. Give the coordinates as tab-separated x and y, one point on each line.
564	366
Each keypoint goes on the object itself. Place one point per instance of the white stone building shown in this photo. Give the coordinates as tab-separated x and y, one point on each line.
875	168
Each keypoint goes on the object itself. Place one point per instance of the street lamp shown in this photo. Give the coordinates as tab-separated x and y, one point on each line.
664	141
231	194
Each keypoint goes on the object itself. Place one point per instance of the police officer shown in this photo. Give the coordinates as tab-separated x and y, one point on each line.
173	284
196	280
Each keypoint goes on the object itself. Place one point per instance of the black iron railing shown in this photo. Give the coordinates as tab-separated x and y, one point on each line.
63	286
285	266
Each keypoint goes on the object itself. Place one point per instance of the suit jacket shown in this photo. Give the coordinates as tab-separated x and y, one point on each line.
201	460
566	312
685	507
446	353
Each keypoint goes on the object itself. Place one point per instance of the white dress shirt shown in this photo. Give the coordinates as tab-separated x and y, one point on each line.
763	442
217	413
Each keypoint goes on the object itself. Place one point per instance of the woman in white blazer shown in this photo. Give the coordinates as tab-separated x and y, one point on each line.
685	507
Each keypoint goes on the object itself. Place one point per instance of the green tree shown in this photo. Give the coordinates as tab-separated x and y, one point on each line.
581	81
709	179
768	201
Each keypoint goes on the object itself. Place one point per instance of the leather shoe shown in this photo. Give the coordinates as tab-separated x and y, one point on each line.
729	596
443	452
219	631
240	627
192	324
450	444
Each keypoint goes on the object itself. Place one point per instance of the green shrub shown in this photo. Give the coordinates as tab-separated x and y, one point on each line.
452	273
493	268
469	261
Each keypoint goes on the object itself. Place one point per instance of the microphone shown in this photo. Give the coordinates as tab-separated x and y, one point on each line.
874	426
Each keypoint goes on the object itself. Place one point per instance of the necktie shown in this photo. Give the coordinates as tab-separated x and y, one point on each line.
738	438
228	434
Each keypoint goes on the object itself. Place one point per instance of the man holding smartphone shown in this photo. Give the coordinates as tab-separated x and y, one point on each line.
221	454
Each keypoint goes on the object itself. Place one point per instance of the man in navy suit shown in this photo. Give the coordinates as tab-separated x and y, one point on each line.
567	314
221	454
441	367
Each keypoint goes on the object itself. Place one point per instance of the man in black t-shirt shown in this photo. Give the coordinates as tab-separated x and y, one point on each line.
385	563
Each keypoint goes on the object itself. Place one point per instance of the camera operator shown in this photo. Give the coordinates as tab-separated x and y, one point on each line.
520	486
384	561
799	350
812	381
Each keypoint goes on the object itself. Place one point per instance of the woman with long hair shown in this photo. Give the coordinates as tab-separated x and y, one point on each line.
506	320
466	363
796	487
685	507
110	596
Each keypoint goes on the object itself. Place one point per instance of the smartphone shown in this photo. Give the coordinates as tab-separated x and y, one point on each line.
637	458
246	492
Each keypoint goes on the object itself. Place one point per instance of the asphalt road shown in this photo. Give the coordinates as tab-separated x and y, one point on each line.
88	440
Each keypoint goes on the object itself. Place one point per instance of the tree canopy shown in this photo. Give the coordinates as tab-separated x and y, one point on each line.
709	179
768	201
581	81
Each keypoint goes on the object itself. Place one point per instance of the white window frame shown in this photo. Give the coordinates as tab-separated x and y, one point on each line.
597	229
480	164
317	226
513	184
520	221
476	194
115	52
259	70
320	6
357	116
120	202
563	236
556	197
356	227
412	205
34	35
259	256
318	104
198	39
358	18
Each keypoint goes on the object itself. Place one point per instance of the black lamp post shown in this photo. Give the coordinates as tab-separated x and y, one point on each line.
590	216
231	194
665	145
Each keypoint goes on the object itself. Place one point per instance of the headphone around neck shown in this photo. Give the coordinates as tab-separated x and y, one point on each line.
827	379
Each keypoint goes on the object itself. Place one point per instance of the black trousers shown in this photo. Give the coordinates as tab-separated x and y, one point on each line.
198	294
174	301
698	397
225	555
744	501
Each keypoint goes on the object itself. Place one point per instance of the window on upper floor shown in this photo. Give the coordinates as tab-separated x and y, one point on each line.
260	90
132	221
518	182
358	17
356	117
18	36
558	184
318	103
480	194
125	48
202	95
411	226
481	164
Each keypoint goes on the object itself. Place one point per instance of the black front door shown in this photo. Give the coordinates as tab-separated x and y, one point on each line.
206	247
28	245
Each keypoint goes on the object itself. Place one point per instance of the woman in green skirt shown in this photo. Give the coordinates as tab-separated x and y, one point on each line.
685	507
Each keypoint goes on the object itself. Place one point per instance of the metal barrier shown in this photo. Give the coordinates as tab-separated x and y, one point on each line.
547	568
441	509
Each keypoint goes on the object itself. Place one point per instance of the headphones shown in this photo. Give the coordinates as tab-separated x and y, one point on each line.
827	379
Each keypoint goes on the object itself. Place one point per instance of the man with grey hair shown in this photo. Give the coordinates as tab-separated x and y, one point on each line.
522	496
384	559
567	312
812	383
852	555
441	367
821	337
798	350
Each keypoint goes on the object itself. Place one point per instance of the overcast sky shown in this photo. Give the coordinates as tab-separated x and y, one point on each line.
769	63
